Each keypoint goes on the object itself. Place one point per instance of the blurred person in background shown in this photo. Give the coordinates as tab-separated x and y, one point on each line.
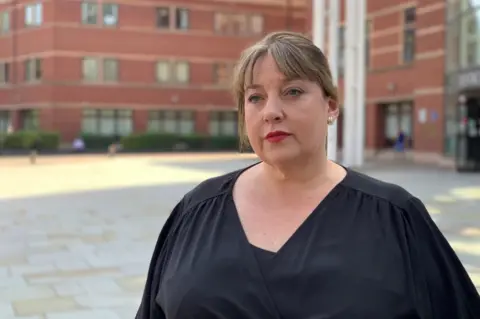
297	236
34	149
78	145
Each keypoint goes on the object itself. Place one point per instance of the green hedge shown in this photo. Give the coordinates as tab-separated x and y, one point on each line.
22	140
169	142
97	142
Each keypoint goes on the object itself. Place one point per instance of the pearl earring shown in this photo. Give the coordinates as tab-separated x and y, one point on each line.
330	120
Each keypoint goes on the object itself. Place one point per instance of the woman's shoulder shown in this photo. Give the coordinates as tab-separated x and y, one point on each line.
377	189
210	188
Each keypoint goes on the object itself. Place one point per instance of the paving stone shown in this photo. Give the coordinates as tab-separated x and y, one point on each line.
72	264
4	272
46	305
86	314
6	310
99	300
100	241
60	276
9	282
19	270
69	288
24	317
25	292
132	283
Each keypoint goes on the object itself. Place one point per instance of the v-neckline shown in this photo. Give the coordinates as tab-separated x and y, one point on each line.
317	210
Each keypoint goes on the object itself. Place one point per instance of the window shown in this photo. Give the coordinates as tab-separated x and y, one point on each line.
107	122
410	15
4	22
110	14
172	122
398	117
239	24
4	121
29	120
368	27
90	69
162	71
256	24
89	13
222	73
182	72
163	17
409	45
341	50
33	14
181	19
222	24
223	123
4	72
110	70
33	69
409	35
471	53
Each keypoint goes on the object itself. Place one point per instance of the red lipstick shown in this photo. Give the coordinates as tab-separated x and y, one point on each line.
276	136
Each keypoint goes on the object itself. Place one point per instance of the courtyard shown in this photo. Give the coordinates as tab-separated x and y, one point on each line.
77	233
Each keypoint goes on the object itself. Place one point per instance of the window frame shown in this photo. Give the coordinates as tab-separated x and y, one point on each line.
178	19
4	73
5	23
36	19
159	25
409	36
115	71
97	67
113	114
86	14
115	14
33	69
159	118
218	118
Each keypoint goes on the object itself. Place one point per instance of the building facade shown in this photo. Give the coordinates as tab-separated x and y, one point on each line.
405	61
463	77
121	66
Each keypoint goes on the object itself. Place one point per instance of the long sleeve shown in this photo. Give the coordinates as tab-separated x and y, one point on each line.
442	287
148	308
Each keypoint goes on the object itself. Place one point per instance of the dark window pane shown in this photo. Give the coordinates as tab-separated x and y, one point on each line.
410	15
163	17
409	45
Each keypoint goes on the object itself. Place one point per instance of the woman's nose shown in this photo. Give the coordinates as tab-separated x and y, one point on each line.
273	112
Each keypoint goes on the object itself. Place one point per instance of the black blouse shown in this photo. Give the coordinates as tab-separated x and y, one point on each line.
369	250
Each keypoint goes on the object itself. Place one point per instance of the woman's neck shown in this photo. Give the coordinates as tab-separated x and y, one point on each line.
309	173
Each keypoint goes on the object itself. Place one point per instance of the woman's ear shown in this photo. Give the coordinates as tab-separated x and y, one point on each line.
333	109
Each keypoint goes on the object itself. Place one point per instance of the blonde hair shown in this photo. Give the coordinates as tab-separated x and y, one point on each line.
296	57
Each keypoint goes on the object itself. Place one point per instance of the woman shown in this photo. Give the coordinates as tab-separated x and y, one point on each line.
297	236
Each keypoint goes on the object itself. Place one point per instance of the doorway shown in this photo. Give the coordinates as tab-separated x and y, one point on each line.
397	117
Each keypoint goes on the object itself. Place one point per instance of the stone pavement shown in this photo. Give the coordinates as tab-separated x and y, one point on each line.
76	237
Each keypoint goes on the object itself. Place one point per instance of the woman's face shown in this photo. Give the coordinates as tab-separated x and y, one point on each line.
285	120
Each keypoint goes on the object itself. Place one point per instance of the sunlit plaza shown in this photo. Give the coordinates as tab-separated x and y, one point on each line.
77	233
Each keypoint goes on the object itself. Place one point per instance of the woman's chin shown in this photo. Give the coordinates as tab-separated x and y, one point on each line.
280	155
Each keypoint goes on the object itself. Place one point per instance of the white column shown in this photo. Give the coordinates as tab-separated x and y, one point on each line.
349	116
333	17
318	28
360	80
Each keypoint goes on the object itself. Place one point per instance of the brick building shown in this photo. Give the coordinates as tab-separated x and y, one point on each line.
113	67
405	74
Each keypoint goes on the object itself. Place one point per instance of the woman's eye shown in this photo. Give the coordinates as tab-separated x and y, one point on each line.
253	98
294	92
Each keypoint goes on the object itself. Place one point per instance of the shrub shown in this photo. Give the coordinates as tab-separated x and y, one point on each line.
170	142
22	140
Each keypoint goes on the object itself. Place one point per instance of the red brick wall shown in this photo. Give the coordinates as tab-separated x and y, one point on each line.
389	79
62	41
